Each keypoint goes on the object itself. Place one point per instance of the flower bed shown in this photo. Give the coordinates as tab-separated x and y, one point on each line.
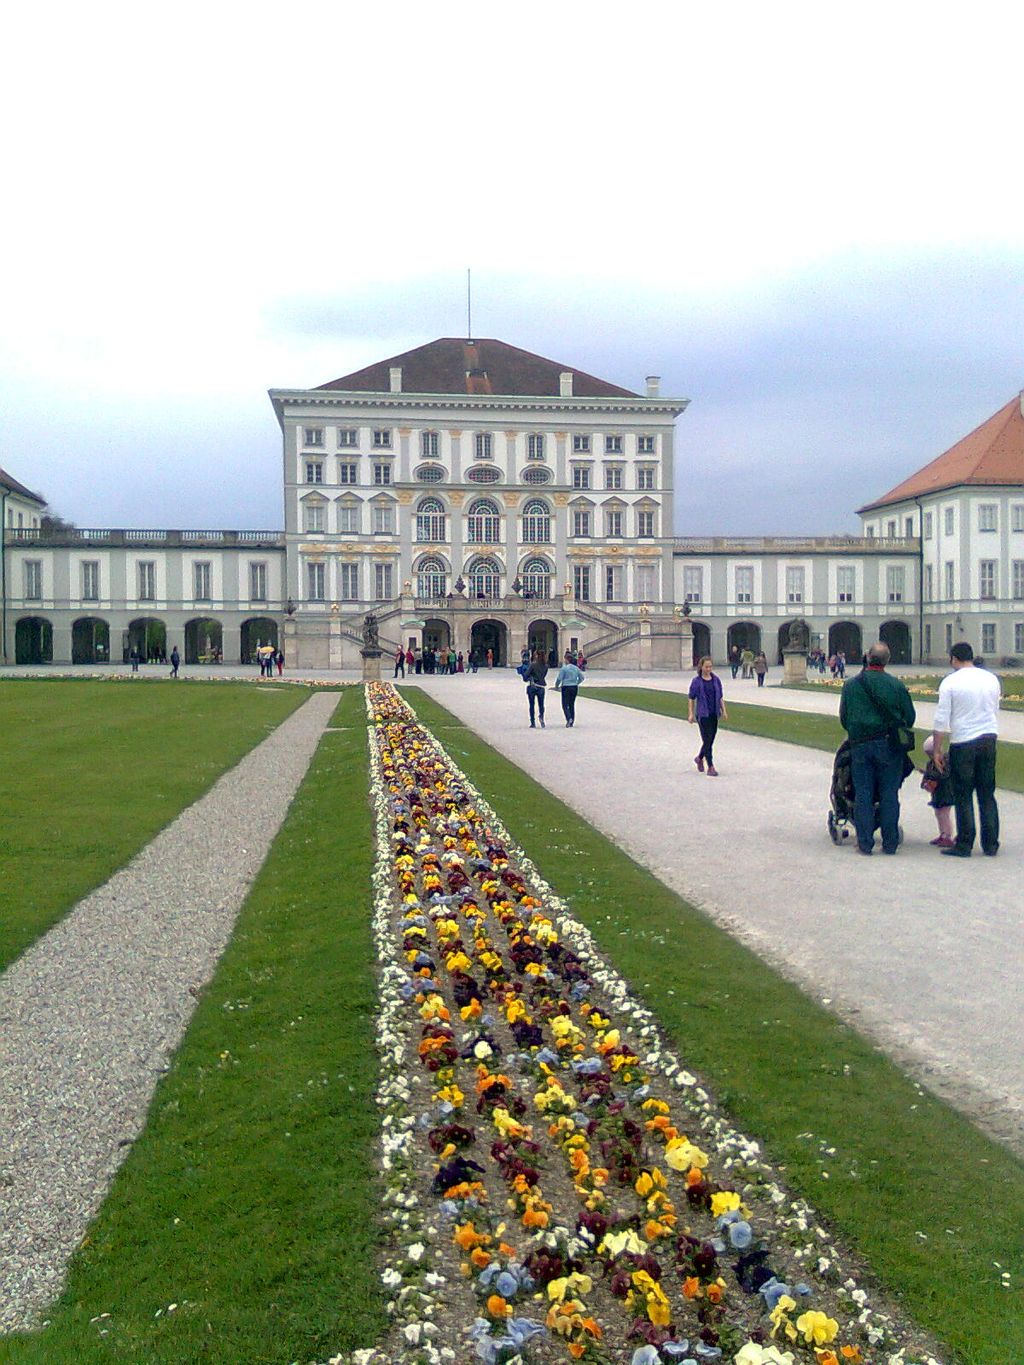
558	1186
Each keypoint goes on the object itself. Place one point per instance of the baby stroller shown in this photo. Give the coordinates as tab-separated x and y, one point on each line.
840	816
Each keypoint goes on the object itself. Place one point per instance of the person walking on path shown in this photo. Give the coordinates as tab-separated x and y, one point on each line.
706	706
410	661
536	680
734	660
280	663
874	710
760	668
968	712
747	660
175	661
399	662
568	684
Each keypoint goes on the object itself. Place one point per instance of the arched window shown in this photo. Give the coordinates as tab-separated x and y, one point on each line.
485	578
483	523
430	520
432	578
537	523
536	578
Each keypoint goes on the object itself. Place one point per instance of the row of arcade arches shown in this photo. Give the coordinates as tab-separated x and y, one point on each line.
146	637
490	635
844	636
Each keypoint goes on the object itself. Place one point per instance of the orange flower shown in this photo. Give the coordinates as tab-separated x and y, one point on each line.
691	1287
480	1258
715	1293
852	1354
535	1218
497	1307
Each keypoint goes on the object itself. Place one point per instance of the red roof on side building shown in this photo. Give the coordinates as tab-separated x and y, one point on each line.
991	454
480	366
13	486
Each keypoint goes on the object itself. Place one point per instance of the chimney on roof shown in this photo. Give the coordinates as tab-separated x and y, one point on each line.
565	384
396	378
653	385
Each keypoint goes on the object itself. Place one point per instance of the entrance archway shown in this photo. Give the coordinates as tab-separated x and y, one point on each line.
490	635
436	634
543	635
148	636
896	634
204	641
33	641
701	640
803	634
258	630
90	641
846	636
744	635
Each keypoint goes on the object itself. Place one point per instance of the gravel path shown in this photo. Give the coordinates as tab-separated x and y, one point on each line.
92	1013
921	953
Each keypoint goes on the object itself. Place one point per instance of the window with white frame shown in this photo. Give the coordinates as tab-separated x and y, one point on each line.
613	445
147	580
987	579
348	473
581	582
908	526
949	637
693	583
988	637
431	578
348	518
581	444
1017	516
314	516
382	438
948	518
1018	637
313	436
383	582
890	529
348	437
486	473
581	521
645	476
483	445
33	576
613	577
613	521
988	516
348	582
846	578
201	577
314	471
645	582
870	532
929	583
257	581
744	583
536	523
382	473
315	581
485	578
927	641
536	578
430	520
1017	578
794	583
433	473
929	526
645	523
483	523
383	519
536	475
581	476
613	476
895	582
947	583
535	446
430	442
645	445
90	580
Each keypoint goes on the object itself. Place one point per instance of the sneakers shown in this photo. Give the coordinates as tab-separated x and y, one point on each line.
700	763
712	772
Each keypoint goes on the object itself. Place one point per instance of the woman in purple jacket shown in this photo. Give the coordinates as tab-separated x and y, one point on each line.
706	705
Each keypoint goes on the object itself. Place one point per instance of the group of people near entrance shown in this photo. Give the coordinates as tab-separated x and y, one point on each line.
427	660
753	665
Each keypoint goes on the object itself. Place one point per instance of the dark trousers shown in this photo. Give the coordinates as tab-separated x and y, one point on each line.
535	696
760	680
400	668
972	770
708	726
876	766
569	703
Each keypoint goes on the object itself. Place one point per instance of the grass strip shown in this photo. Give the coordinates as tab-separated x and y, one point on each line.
934	1207
93	770
926	688
250	1199
791	727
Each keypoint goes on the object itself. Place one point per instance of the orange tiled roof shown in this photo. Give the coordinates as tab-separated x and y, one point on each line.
991	454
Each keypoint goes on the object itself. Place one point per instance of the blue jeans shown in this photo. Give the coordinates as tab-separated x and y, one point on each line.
876	766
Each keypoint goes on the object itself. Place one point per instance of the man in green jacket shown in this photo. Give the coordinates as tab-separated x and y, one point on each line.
872	709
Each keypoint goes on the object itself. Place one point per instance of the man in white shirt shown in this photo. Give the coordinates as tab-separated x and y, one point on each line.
968	712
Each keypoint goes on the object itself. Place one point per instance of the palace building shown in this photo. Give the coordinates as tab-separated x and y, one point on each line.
472	494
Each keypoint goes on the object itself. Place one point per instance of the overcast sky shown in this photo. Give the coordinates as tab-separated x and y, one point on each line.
807	219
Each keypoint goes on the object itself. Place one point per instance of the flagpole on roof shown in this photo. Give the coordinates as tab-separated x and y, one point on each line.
469	305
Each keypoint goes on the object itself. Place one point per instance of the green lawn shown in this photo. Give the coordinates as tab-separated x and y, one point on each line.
793	727
925	687
92	771
250	1198
931	1203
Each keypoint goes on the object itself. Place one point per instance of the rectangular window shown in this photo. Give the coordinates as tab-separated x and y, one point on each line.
382	473
201	580
581	582
1017	571
613	522
947	520
645	476
928	525
313	436
613	476
314	471
794	584
645	589
484	444
382	438
314	516
90	580
987	580
257	582
580	522
613	583
895	582
429	443
927	642
908	527
348	518
147	580
846	577
947	571
1018	637
1017	517
871	533
349	582
613	445
929	583
693	583
949	637
745	583
581	476
348	437
645	524
890	530
988	516
347	473
988	637
383	521
315	582
645	445
581	445
535	446
33	580
383	582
